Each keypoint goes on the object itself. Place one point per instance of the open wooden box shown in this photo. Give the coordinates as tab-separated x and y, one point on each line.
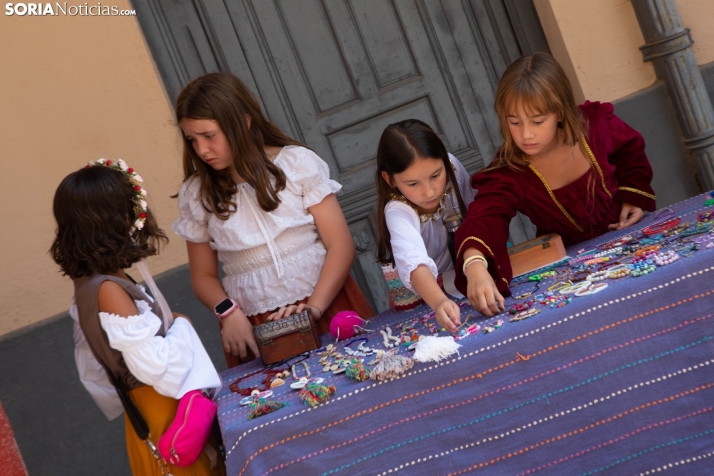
536	253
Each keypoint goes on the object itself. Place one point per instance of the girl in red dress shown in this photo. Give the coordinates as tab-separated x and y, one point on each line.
577	171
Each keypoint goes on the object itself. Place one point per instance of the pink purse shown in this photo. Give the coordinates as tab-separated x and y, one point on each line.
184	440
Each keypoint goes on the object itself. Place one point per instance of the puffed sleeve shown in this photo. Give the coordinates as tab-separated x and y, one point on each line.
408	246
192	224
486	226
174	364
308	174
626	152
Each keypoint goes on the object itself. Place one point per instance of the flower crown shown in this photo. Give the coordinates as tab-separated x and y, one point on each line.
139	192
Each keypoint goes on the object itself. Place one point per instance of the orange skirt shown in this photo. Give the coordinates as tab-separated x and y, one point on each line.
159	412
349	298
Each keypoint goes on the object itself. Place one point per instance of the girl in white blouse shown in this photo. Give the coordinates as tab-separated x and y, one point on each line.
256	200
417	182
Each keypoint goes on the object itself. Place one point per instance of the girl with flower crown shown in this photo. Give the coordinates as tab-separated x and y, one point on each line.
264	205
126	343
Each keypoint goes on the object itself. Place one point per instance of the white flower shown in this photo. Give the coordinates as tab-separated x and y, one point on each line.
139	224
142	203
123	165
138	178
143	192
101	161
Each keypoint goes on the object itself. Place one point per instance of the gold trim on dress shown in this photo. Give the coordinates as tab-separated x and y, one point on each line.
479	240
552	196
634	190
595	163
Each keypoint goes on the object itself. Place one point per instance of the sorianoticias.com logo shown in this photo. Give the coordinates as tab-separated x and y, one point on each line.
63	8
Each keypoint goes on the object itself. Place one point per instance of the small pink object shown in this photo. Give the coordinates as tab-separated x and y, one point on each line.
183	442
343	325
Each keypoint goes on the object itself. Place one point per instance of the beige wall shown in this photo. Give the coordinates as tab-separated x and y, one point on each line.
73	89
597	42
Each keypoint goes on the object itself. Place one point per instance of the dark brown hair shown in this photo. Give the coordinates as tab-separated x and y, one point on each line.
94	210
398	148
223	98
539	84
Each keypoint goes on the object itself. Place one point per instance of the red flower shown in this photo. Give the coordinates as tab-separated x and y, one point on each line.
137	188
130	170
142	215
108	162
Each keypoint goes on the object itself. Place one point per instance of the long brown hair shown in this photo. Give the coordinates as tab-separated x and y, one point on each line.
94	210
539	84
398	148
223	98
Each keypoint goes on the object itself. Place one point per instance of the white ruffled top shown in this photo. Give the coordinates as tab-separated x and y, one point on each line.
174	364
415	243
270	259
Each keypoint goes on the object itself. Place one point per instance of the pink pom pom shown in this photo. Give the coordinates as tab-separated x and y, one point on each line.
343	324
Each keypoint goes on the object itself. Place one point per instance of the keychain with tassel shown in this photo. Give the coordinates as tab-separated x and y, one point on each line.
263	406
356	371
434	348
314	394
389	365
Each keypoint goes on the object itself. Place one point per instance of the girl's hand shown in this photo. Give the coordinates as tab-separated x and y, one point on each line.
482	292
237	335
629	215
285	311
448	315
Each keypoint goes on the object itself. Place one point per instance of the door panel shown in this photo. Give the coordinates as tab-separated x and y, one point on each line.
334	73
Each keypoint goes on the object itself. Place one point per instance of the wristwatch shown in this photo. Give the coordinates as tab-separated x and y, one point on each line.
224	308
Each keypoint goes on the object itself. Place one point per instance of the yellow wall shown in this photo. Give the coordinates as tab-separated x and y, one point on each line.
73	89
597	43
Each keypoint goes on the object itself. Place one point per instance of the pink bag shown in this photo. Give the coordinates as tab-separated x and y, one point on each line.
184	440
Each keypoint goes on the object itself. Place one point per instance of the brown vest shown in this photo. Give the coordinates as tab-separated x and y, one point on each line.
85	296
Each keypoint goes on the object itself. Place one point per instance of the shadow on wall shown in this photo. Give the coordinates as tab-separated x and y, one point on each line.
58	427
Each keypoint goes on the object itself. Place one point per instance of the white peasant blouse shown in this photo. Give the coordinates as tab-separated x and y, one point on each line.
270	259
415	243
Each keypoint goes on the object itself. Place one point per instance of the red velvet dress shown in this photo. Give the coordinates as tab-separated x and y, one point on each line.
577	212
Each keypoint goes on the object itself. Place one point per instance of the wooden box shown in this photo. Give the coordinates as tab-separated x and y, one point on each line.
536	253
287	337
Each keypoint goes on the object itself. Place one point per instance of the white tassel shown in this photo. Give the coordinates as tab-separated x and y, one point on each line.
434	348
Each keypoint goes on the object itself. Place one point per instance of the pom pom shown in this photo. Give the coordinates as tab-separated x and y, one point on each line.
389	365
434	349
343	325
356	371
263	406
314	394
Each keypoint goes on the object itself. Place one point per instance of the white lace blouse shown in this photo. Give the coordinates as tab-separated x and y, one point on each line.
270	259
423	240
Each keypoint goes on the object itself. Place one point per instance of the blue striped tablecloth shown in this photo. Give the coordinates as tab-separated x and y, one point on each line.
620	382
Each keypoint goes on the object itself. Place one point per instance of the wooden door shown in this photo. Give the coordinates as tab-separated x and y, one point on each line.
334	73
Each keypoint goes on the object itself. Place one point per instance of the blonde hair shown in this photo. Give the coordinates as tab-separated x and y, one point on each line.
539	84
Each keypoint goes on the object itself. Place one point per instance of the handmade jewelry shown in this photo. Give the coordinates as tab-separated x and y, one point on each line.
464	333
595	288
520	307
559	285
388	337
525	314
575	287
598	276
659	228
665	257
619	271
580	275
642	269
361	351
302	381
252	398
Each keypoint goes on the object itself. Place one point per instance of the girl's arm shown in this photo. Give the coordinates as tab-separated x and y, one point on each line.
336	236
173	364
482	291
447	312
237	331
485	230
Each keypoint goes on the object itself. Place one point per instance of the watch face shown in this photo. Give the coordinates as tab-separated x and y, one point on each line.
224	306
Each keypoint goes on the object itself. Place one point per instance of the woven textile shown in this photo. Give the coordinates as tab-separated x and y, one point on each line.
619	382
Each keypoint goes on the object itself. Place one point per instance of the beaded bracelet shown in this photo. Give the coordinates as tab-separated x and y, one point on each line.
659	228
598	276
